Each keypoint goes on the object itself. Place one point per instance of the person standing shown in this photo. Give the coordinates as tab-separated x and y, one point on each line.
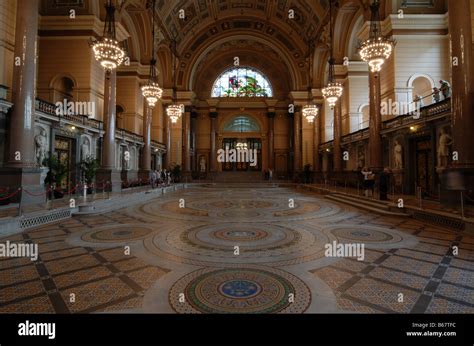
436	95
367	181
384	184
445	89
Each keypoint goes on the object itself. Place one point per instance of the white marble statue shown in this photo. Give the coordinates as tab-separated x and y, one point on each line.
445	141
85	151
202	164
398	152
40	146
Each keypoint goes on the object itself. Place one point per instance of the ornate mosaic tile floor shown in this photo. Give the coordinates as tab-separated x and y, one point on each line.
232	250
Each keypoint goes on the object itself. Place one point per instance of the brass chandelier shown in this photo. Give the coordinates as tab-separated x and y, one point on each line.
310	110
174	110
377	48
107	50
333	90
151	91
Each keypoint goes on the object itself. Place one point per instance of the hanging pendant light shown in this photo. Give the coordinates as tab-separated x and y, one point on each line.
151	91
378	48
310	110
333	90
174	110
107	50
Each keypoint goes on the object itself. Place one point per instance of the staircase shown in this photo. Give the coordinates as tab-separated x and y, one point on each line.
239	177
376	206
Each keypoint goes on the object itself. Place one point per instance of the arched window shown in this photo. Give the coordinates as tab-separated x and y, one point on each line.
242	123
63	89
242	82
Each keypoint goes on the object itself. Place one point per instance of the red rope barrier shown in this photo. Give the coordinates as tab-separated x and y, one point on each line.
11	195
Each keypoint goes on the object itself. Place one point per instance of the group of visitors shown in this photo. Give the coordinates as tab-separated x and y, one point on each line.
369	183
160	178
444	89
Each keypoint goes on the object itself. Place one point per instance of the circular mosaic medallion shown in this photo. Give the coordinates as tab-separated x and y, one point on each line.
240	204
240	235
363	234
249	237
117	233
246	290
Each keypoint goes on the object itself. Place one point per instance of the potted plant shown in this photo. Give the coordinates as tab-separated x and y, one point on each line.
56	174
176	173
89	167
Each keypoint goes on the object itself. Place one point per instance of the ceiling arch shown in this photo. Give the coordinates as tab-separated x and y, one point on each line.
251	50
199	14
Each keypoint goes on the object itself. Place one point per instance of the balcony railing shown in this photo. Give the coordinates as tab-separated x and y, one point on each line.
427	113
76	119
84	121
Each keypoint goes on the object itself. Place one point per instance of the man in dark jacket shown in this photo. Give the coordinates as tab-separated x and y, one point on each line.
384	184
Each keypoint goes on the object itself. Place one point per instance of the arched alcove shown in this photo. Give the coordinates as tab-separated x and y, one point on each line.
241	123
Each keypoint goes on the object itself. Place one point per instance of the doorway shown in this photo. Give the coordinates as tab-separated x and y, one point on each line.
242	143
424	166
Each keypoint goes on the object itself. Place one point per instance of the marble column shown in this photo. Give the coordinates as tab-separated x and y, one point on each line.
317	141
146	150
271	140
291	144
194	115
375	123
462	82
460	174
213	157
108	172
108	160
337	153
297	142
21	169
167	139
187	140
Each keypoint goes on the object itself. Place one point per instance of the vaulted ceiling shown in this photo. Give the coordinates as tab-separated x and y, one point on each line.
282	28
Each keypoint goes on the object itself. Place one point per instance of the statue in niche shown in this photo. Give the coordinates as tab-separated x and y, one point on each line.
397	153
445	141
40	146
125	158
202	164
85	151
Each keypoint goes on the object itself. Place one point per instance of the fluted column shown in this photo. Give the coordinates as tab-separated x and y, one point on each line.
271	140
213	116
297	141
337	153
108	159
375	122
462	83
22	120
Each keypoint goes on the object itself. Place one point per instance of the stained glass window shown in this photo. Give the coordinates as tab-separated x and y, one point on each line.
242	82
